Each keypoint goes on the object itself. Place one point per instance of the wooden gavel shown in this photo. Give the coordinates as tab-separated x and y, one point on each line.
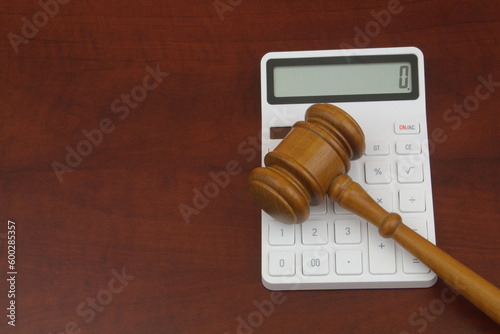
313	160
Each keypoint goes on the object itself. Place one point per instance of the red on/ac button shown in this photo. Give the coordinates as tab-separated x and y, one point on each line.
406	128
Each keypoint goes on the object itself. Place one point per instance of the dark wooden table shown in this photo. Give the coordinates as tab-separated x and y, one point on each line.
115	114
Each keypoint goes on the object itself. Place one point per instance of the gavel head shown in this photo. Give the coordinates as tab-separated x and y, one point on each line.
300	170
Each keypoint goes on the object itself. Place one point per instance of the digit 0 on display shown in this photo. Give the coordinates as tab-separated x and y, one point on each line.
403	76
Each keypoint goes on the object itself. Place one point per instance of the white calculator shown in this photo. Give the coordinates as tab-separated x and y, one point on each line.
383	90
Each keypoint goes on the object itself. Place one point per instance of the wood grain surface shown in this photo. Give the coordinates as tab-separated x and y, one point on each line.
116	114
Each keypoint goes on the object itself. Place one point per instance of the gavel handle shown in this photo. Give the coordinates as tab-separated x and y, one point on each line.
351	196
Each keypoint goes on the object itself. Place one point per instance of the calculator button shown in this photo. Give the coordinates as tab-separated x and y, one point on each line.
381	253
348	262
377	148
354	173
318	209
406	128
412	265
377	172
281	234
410	171
348	231
408	147
315	263
281	263
314	233
418	225
412	200
340	210
271	145
382	197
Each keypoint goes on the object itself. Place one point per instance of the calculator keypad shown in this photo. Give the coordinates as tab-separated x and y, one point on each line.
335	249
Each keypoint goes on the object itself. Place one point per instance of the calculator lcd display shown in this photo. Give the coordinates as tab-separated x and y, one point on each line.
342	79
